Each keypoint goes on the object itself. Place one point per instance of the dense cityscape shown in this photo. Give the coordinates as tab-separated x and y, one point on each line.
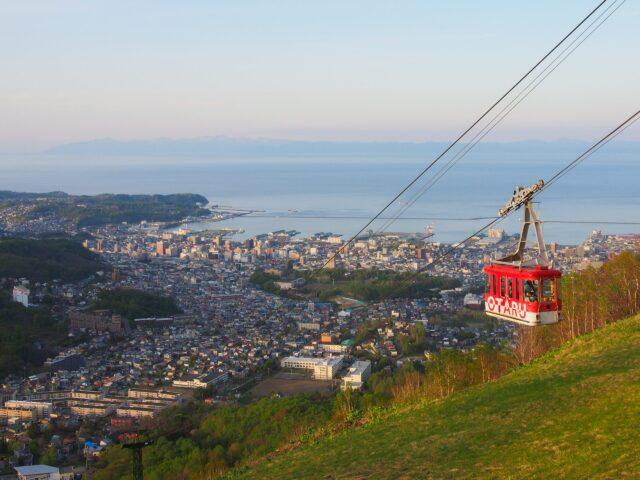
232	338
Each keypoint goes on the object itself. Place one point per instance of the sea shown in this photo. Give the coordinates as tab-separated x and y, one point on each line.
339	193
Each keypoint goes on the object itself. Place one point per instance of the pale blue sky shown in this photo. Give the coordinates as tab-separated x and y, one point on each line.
345	70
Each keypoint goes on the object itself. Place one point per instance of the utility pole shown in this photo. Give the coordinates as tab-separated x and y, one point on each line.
136	456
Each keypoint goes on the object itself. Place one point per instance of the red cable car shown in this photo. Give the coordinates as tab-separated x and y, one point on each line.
519	290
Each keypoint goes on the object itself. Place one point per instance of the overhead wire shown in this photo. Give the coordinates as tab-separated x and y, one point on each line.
440	219
466	131
506	110
614	133
581	158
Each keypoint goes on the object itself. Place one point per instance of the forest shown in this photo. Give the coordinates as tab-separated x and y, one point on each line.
44	260
376	285
132	303
366	285
29	336
93	210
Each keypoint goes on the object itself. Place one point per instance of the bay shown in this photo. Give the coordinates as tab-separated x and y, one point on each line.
603	188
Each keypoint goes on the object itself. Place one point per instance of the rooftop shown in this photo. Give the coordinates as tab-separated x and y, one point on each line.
36	470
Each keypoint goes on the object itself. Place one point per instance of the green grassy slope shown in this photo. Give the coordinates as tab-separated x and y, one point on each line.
574	413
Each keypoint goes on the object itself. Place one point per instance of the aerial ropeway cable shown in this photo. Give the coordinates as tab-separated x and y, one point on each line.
522	290
581	158
469	129
508	108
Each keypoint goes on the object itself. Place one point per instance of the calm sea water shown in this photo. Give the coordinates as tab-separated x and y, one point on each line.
604	188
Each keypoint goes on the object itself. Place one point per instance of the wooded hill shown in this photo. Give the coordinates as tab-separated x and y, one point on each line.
47	259
93	210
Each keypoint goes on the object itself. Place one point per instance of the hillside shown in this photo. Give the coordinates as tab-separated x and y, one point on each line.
94	210
29	336
132	303
47	259
574	413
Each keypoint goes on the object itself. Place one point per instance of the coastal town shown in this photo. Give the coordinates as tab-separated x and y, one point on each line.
234	339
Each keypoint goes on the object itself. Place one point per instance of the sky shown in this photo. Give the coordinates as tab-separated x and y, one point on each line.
75	70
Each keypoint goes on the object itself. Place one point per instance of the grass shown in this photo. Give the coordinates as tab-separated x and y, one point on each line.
574	413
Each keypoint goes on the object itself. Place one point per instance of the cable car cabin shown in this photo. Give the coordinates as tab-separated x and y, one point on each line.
527	295
519	289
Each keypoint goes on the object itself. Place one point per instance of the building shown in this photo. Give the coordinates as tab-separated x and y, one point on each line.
496	233
202	381
153	322
357	375
93	408
160	248
21	295
472	301
86	394
65	361
333	348
309	326
326	338
149	393
334	261
134	411
41	409
288	285
38	472
320	368
18	412
99	320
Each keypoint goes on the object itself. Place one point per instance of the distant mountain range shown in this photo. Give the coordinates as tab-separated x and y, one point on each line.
225	146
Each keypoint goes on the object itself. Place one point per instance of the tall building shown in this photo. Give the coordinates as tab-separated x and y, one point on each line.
161	247
335	261
21	295
115	275
495	233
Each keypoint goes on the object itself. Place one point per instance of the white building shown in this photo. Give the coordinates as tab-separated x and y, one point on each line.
21	295
357	375
321	368
38	472
333	348
202	381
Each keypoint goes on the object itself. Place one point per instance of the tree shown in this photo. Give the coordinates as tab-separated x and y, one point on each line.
33	430
50	456
418	335
204	392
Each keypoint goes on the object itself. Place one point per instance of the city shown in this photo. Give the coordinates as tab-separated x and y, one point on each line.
233	340
292	240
